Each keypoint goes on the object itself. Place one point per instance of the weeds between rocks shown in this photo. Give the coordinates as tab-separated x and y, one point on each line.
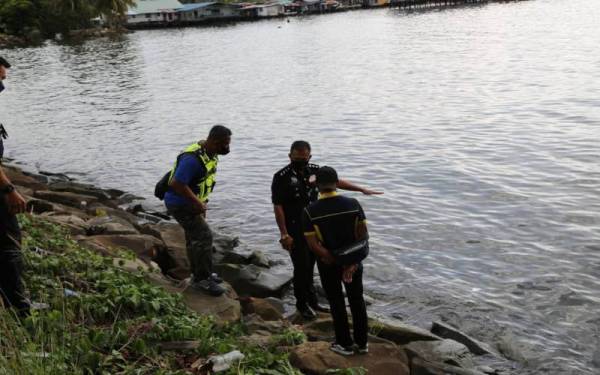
103	320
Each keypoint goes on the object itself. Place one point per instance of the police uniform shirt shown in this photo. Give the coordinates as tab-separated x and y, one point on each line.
294	191
333	219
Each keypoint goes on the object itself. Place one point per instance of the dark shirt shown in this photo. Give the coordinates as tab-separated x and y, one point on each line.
190	171
294	192
333	218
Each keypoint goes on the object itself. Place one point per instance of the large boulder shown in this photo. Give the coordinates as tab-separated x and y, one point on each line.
268	309
448	332
69	199
251	280
173	261
382	359
225	308
39	206
398	332
80	189
144	246
99	210
17	177
109	225
74	224
443	351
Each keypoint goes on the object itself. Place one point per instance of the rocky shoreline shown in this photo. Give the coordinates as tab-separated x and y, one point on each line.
106	220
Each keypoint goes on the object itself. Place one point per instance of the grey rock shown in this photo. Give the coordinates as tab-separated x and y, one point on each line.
258	258
109	225
66	198
399	332
448	332
443	351
250	280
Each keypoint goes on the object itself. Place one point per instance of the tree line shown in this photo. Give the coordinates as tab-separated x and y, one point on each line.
45	18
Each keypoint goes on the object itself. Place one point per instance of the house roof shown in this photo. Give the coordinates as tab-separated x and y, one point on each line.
189	7
153	6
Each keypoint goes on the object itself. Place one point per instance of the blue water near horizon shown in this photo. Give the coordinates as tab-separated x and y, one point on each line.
481	124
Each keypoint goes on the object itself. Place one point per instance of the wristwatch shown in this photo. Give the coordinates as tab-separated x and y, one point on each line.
7	189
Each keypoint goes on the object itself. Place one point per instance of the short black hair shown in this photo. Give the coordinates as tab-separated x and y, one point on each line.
300	145
219	132
4	63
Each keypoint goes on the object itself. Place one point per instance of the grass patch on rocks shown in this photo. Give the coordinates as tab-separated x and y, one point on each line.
101	319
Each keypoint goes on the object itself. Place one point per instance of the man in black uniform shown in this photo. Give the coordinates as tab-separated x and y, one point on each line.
292	190
11	263
333	223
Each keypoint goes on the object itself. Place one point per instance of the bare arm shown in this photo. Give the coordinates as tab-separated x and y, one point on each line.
316	247
361	232
186	192
14	200
287	242
347	185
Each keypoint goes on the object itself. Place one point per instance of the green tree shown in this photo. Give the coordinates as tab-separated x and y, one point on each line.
18	16
114	11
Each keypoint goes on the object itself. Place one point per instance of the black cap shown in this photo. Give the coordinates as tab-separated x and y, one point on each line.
326	175
4	63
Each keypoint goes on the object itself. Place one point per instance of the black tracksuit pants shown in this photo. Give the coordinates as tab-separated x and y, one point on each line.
11	261
304	267
331	278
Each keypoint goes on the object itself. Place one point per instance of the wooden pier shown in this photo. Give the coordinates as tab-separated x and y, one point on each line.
423	4
432	3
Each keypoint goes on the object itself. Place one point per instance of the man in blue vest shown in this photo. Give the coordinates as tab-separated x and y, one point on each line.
190	184
11	262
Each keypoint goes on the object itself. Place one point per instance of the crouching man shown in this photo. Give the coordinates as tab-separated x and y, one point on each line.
336	231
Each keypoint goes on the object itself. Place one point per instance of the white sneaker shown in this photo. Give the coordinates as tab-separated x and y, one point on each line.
337	348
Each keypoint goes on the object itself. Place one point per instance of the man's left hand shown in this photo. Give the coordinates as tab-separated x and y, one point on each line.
15	202
371	192
348	273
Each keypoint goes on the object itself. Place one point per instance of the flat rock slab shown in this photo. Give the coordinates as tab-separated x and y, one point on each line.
254	281
81	189
400	333
109	225
66	198
74	224
17	177
142	245
382	359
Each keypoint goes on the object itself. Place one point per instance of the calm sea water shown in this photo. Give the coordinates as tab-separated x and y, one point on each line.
481	124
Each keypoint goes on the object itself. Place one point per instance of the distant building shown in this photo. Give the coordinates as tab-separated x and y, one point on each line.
262	10
206	11
376	3
153	12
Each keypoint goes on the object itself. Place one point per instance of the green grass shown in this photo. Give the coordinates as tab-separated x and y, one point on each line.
115	320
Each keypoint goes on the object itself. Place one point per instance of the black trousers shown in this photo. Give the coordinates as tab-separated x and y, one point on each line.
11	261
304	267
331	278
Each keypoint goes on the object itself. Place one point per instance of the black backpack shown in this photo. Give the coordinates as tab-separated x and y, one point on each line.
162	186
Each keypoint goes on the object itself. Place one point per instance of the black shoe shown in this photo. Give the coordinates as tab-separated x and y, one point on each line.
307	313
209	286
320	308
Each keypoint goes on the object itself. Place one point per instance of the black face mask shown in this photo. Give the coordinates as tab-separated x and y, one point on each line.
299	164
1	86
224	151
